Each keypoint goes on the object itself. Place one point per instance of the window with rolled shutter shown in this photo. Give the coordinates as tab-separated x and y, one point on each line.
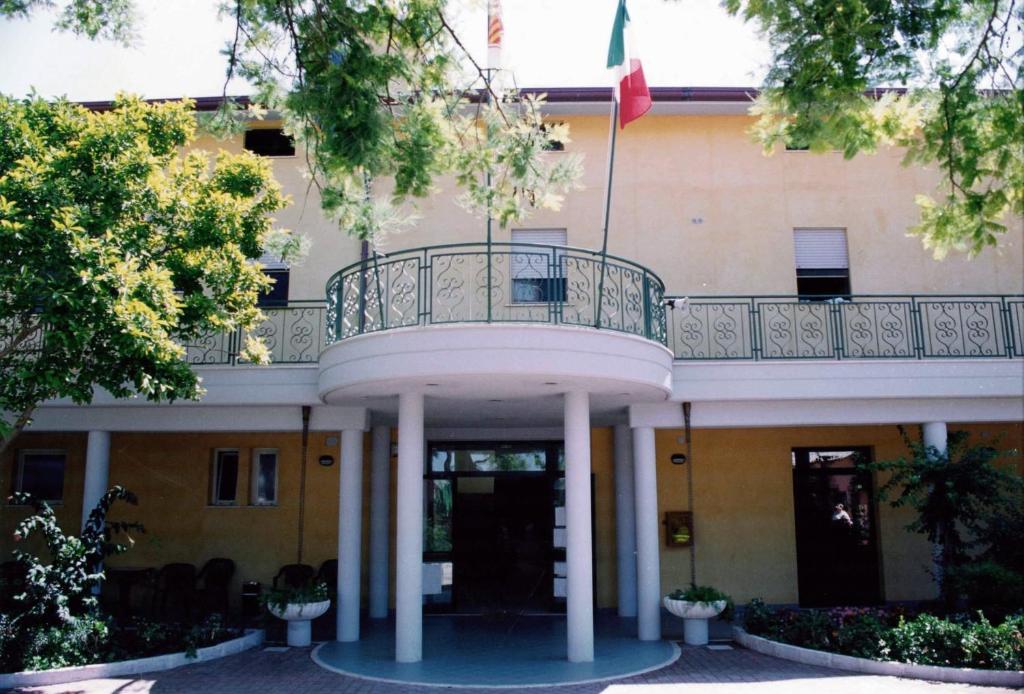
537	273
822	263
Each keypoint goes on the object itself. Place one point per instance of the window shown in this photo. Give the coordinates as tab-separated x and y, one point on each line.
41	474
538	274
264	477
277	270
552	145
822	263
269	142
225	478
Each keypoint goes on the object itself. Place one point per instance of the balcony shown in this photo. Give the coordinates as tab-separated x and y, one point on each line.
763	328
496	283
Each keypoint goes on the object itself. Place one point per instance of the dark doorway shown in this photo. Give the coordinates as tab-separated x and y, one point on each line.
836	537
502	544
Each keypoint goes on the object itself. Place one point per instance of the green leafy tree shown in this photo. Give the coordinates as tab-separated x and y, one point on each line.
955	494
115	248
382	90
962	111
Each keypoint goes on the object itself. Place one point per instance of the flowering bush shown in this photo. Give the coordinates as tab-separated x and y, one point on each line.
893	633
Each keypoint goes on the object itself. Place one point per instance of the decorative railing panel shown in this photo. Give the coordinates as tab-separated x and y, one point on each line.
856	327
495	283
293	334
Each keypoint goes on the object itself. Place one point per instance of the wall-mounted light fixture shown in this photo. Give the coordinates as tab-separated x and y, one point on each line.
678	459
326	460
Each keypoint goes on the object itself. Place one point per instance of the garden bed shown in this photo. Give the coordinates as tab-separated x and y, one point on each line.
250	639
807	656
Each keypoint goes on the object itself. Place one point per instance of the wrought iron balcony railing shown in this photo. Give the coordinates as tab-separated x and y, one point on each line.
856	327
503	282
294	334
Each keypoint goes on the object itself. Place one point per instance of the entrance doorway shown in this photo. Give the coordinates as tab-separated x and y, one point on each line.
492	540
836	534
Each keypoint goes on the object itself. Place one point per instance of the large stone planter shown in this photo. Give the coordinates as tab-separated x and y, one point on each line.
695	616
299	615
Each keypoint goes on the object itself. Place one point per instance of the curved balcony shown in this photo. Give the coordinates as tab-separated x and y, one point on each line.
500	283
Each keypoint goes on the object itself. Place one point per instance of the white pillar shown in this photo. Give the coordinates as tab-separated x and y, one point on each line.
97	471
380	519
579	551
648	568
935	434
625	521
409	552
350	533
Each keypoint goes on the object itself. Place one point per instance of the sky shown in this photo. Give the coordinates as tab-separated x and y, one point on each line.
548	43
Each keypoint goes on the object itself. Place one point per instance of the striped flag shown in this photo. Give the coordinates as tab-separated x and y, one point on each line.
495	32
631	90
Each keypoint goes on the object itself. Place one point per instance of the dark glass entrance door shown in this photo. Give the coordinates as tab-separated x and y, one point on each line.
836	537
502	545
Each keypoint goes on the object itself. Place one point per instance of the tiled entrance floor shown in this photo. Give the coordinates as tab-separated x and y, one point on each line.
491	652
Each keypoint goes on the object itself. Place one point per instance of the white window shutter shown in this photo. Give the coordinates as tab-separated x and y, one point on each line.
524	265
268	261
821	249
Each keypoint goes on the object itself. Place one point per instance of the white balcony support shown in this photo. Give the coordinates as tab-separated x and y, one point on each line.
350	517
380	520
648	567
409	552
625	521
97	471
578	553
936	435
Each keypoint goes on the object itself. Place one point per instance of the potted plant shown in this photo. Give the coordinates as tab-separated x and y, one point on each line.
695	606
298	606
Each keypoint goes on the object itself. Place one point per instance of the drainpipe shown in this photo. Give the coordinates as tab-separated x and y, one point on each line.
689	491
302	478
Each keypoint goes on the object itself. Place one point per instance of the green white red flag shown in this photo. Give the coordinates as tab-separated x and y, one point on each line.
631	88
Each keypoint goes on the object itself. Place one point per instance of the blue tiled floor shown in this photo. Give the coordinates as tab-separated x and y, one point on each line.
480	651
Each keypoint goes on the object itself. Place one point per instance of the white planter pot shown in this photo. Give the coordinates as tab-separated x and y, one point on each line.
298	615
695	616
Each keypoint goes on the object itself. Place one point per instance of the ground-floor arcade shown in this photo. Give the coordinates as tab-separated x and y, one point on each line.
753	492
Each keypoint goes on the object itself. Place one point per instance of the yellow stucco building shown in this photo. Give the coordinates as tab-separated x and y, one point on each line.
467	432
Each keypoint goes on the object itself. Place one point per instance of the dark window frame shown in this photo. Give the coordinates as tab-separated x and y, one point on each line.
18	476
268	142
277	295
216	496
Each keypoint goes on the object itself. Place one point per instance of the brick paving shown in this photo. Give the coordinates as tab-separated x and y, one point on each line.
698	671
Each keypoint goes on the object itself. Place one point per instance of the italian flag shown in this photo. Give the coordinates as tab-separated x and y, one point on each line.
632	93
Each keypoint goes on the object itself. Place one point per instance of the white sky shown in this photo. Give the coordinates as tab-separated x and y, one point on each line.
548	43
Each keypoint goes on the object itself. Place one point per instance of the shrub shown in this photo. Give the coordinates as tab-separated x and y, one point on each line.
758	618
988	586
79	641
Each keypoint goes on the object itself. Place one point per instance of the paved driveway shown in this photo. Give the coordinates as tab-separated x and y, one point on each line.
698	671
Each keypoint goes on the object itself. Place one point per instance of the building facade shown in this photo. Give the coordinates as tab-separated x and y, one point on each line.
472	428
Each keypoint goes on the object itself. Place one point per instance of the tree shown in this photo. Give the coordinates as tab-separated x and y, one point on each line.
114	249
376	90
959	496
959	67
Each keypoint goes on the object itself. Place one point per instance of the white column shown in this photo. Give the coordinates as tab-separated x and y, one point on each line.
579	551
380	519
350	533
625	520
935	434
409	551
648	568
97	471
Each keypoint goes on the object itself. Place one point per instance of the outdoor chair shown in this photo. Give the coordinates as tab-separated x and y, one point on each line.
176	583
294	575
12	582
213	583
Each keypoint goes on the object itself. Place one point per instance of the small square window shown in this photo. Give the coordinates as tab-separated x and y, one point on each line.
41	474
269	142
538	273
822	263
277	294
264	477
224	485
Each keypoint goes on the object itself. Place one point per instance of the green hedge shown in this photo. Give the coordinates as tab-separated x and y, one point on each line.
895	634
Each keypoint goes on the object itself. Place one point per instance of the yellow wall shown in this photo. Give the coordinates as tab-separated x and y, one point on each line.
744	523
672	170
